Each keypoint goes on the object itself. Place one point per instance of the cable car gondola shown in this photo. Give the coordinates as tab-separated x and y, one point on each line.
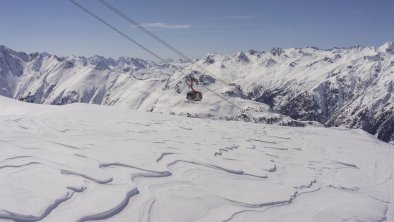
193	95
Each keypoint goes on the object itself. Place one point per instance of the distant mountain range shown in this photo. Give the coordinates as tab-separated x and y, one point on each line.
341	87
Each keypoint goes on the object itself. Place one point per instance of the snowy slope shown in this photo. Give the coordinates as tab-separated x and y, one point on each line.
346	87
339	87
126	82
83	162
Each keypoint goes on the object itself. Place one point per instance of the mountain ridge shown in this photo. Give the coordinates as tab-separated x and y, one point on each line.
341	87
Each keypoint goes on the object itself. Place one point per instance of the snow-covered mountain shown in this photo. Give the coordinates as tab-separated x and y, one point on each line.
126	82
348	87
84	162
339	87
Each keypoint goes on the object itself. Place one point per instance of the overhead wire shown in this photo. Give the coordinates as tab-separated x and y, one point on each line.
142	28
178	52
117	30
157	38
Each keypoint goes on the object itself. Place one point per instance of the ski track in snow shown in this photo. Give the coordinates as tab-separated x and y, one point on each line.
89	163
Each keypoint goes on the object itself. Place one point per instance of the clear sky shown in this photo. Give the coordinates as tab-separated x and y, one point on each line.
196	27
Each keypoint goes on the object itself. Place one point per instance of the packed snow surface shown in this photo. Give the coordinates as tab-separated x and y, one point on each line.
85	162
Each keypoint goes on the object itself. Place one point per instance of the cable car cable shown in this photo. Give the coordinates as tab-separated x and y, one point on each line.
147	49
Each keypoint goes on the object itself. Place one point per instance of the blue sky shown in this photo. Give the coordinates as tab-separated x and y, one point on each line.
195	27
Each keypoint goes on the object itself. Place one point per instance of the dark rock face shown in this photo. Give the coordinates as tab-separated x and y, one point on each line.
10	62
29	98
302	107
344	99
209	59
242	57
234	90
252	52
268	97
379	122
276	51
68	98
386	130
206	79
69	64
324	106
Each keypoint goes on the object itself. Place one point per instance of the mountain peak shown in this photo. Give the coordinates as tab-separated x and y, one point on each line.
4	48
253	52
242	57
387	47
44	54
209	59
276	51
